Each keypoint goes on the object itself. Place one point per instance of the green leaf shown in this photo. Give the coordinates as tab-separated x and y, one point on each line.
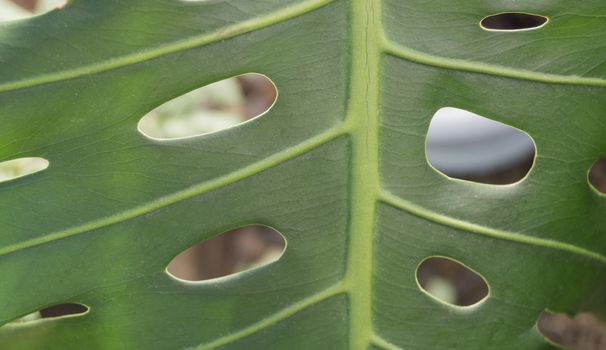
337	166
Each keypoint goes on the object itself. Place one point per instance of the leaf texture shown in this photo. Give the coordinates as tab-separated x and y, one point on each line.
337	166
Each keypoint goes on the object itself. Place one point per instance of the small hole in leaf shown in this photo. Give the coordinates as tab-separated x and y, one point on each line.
451	282
513	21
60	310
211	108
231	252
64	310
597	175
466	146
11	10
17	168
581	332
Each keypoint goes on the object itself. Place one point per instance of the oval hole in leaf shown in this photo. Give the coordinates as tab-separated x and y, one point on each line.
64	310
11	10
229	253
466	146
451	282
597	175
583	331
513	21
17	168
60	310
211	108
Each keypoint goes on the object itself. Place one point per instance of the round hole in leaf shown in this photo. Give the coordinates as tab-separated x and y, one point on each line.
513	21
463	145
211	108
597	175
20	167
229	253
11	10
451	282
583	331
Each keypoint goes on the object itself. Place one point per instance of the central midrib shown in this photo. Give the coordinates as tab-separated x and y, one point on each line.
362	123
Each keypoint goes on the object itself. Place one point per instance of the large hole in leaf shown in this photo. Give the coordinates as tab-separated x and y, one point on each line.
60	310
451	282
211	108
11	10
581	332
17	168
597	175
513	21
466	146
231	252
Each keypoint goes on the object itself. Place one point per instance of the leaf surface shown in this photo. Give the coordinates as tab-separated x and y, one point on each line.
337	166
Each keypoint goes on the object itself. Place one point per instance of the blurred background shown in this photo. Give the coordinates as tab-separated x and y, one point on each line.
460	145
18	9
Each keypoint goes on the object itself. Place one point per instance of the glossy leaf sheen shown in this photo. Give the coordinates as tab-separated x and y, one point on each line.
359	81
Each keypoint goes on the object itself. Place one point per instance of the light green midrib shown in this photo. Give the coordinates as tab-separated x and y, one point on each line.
363	121
171	48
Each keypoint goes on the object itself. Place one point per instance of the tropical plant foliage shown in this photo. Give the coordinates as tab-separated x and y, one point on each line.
337	166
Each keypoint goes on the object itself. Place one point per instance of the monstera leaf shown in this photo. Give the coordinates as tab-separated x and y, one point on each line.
337	166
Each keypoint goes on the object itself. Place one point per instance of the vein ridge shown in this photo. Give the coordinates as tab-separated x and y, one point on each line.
170	48
396	50
423	213
195	190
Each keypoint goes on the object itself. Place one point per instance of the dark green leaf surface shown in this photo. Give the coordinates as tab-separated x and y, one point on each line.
337	166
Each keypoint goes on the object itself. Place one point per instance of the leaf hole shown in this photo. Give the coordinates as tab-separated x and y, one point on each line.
211	108
584	331
451	282
68	309
17	168
463	145
229	253
597	175
11	10
513	21
55	311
